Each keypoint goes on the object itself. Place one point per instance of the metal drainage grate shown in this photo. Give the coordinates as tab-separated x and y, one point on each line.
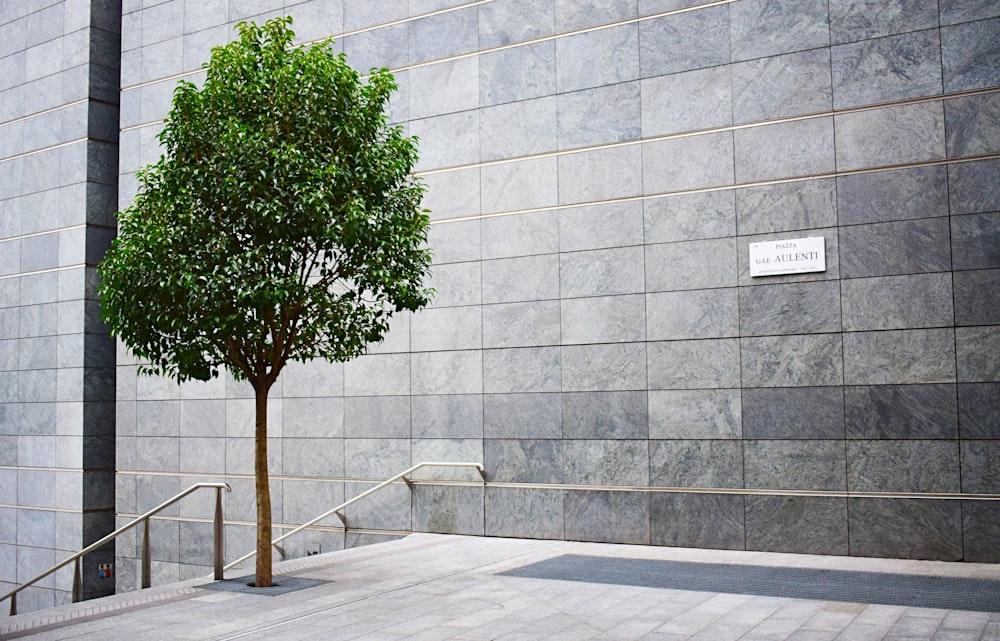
282	585
920	591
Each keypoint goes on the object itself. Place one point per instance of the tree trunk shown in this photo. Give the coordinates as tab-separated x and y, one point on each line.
262	577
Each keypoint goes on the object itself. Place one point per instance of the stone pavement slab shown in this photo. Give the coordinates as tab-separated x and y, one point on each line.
442	587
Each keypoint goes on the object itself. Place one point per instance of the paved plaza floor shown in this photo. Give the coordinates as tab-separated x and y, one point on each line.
429	587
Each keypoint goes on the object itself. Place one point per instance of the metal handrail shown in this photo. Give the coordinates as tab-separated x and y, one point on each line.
144	519
402	475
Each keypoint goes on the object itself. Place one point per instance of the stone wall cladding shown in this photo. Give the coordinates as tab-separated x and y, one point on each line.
58	171
595	177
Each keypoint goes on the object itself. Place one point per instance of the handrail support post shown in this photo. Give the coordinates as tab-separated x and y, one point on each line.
145	554
219	547
77	582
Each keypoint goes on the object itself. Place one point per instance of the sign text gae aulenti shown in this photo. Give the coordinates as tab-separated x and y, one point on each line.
792	256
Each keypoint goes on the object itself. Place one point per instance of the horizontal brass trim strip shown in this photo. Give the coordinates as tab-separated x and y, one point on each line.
715	188
629	488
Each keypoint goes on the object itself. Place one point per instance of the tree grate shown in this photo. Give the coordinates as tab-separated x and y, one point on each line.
282	585
951	593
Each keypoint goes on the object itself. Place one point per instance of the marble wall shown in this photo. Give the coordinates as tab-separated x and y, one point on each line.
58	170
596	172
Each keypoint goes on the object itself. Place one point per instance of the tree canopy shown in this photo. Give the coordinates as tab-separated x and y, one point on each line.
281	223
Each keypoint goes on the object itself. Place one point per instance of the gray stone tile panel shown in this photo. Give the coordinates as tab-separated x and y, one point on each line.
520	279
977	297
518	73
972	188
970	55
458	372
385	416
507	21
605	415
901	412
447	328
387	509
971	123
447	416
616	366
886	249
526	415
779	86
595	58
793	413
375	458
978	410
686	101
524	460
792	308
452	194
323	457
600	226
601	272
359	14
598	116
852	20
978	351
457	284
456	242
897	302
979	531
675	164
600	174
377	375
606	516
446	87
448	140
903	466
525	184
518	128
202	455
792	361
448	510
696	313
696	463
890	136
571	15
321	417
906	528
463	450
697	264
794	464
786	149
975	241
313	20
697	520
899	357
955	11
801	525
531	369
521	324
444	35
765	28
694	414
786	206
886	69
524	513
521	235
604	319
900	194
684	41
694	364
980	467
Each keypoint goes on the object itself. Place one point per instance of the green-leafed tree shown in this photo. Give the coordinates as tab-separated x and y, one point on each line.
281	224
